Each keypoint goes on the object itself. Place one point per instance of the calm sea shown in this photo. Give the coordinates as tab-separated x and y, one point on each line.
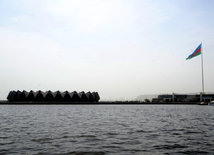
106	129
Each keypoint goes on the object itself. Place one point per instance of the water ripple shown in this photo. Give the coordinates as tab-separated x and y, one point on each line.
110	129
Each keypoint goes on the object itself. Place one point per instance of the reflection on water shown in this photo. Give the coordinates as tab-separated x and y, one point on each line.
106	129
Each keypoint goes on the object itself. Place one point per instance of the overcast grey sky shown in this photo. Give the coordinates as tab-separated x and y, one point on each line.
119	48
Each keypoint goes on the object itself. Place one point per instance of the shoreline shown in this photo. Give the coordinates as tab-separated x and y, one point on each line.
95	103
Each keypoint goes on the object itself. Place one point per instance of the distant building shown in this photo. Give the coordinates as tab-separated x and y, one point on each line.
57	96
201	97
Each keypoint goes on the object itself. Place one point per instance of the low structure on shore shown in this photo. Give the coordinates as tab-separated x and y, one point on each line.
200	97
49	96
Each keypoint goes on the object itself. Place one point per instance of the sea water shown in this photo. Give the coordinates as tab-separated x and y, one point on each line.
106	129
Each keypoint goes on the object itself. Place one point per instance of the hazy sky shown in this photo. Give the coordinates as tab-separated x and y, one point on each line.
119	48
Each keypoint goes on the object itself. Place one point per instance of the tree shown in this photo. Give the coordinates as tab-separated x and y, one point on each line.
147	100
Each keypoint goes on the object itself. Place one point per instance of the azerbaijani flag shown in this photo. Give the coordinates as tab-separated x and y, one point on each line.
195	53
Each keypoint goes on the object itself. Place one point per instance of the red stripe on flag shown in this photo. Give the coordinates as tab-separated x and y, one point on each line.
196	52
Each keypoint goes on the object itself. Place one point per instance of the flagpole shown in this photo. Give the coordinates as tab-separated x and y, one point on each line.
202	70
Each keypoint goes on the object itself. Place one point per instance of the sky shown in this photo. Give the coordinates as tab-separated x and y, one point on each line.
118	48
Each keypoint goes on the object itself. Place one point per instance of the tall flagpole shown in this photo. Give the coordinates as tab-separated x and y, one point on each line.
202	70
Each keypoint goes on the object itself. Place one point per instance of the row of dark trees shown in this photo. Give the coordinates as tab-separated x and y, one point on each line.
59	96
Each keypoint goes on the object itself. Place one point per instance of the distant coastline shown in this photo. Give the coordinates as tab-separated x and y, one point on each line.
5	102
